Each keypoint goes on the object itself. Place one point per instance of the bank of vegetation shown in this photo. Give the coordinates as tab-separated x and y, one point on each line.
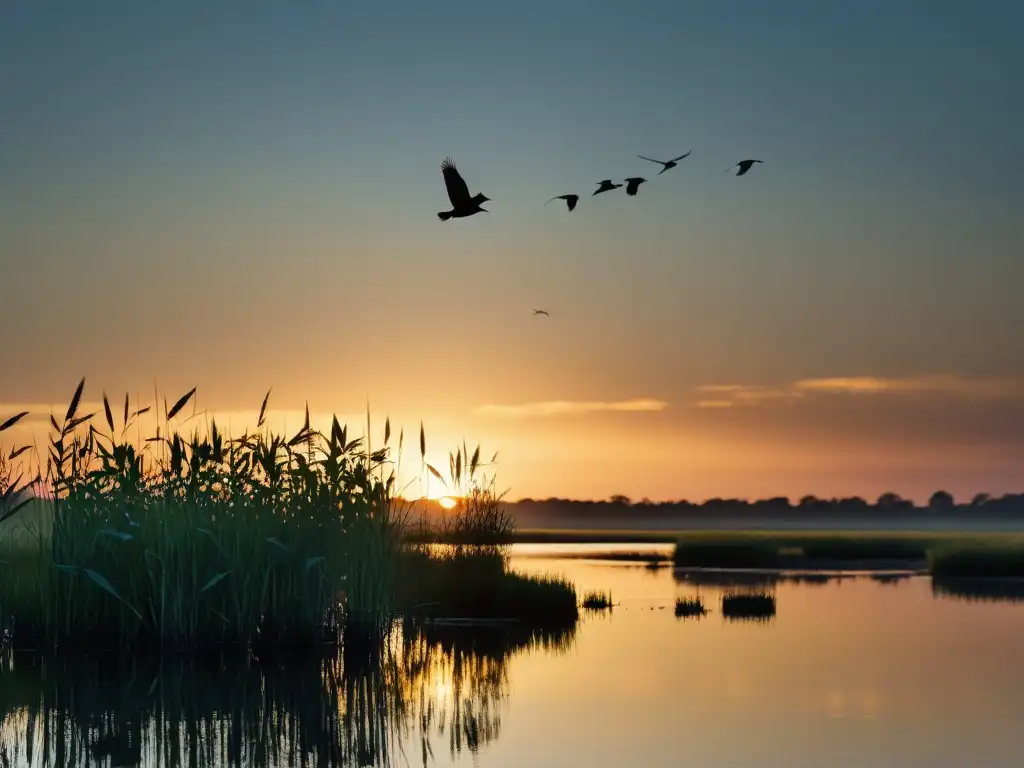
191	538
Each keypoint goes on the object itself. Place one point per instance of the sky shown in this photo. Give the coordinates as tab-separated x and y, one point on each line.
236	196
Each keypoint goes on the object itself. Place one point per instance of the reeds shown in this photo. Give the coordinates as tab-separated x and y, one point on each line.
597	601
992	562
748	606
700	553
458	581
847	549
479	517
197	539
689	607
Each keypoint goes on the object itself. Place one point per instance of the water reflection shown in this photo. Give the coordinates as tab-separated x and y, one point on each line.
348	709
980	590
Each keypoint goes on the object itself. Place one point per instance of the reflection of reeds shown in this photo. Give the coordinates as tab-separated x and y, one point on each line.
689	607
702	578
748	606
326	708
890	578
980	590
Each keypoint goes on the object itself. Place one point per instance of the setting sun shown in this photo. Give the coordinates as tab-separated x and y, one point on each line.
447	502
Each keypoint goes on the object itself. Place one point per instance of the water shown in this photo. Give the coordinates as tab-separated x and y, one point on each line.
853	672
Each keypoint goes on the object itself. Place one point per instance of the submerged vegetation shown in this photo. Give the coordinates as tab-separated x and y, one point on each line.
198	539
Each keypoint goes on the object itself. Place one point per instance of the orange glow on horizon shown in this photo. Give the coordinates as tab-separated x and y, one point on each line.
447	502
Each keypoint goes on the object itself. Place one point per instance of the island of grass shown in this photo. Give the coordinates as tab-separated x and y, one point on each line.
191	540
810	550
689	607
597	601
748	606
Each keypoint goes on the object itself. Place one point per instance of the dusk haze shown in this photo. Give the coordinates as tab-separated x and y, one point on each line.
443	350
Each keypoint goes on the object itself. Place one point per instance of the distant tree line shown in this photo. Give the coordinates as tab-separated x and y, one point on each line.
888	504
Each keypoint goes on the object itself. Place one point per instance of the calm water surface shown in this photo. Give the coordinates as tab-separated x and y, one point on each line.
854	672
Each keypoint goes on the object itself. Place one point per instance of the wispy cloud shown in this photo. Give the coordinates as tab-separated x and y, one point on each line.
726	395
572	408
945	384
729	395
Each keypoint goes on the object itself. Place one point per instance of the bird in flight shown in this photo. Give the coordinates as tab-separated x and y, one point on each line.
744	165
605	186
633	184
462	204
670	164
570	200
541	312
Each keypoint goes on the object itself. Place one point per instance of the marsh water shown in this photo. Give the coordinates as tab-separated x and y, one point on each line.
863	670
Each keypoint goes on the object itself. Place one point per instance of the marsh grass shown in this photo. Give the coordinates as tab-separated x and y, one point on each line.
993	562
726	554
476	582
850	548
809	550
748	606
479	517
597	601
689	607
199	539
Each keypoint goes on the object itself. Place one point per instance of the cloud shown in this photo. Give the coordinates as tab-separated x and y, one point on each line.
572	408
741	394
945	384
950	385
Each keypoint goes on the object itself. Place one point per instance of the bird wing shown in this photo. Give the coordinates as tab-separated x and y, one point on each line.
676	159
651	159
458	191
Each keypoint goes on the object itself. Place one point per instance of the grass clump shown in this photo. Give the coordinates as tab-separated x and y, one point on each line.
840	549
748	606
689	607
479	517
597	601
709	553
477	583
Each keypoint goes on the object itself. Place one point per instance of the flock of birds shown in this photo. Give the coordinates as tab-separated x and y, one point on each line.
463	204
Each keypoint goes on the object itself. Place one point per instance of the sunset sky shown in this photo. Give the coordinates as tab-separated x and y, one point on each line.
239	195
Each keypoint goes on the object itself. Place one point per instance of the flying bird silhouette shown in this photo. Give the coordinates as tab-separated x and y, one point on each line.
541	312
745	165
633	184
605	186
570	200
462	204
670	164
